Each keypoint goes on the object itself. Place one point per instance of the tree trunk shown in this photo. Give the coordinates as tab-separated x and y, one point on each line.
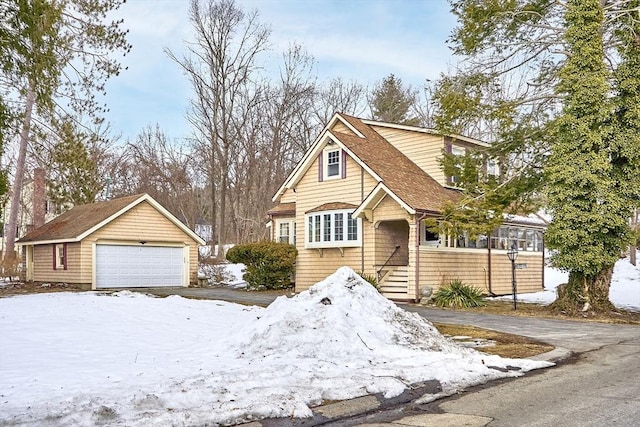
222	217
16	190
585	293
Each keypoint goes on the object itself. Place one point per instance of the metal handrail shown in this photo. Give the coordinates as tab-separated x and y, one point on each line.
386	262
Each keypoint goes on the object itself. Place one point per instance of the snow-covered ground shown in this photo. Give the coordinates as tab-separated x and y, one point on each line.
129	359
624	292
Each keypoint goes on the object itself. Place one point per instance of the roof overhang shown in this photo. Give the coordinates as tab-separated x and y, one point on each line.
375	197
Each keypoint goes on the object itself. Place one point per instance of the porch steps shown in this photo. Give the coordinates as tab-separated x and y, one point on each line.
394	284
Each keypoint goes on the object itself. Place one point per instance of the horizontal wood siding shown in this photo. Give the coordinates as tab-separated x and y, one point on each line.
389	235
392	223
389	209
313	265
288	196
422	148
528	279
438	266
341	127
43	270
144	223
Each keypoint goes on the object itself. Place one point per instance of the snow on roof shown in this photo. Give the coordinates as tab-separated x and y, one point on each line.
530	219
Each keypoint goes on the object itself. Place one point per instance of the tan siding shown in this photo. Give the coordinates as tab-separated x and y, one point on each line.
439	266
340	127
389	209
314	265
392	229
422	148
288	196
145	223
528	279
43	265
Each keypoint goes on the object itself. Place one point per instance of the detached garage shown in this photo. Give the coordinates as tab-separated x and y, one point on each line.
129	242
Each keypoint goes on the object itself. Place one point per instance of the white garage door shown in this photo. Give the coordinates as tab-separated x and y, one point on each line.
122	266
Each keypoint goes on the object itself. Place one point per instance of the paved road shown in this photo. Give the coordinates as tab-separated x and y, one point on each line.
599	386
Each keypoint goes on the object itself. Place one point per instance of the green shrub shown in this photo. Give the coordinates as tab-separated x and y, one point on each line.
269	265
458	295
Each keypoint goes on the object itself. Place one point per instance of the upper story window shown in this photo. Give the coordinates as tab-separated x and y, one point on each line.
493	170
332	164
333	229
457	151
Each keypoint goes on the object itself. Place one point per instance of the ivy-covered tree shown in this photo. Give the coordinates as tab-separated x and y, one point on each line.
590	217
554	87
392	102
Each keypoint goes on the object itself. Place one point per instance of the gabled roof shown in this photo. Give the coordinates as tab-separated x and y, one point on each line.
402	177
82	220
397	175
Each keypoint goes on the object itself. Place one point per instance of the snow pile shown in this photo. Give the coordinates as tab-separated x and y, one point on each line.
347	310
130	359
625	285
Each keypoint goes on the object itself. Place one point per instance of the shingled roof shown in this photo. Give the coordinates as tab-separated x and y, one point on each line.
74	224
400	175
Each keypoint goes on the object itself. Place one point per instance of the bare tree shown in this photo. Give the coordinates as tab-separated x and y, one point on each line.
221	64
338	95
164	171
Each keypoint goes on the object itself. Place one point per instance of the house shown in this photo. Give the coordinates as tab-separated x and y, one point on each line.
35	208
360	197
121	243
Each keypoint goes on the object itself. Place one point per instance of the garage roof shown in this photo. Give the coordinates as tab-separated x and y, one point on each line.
77	223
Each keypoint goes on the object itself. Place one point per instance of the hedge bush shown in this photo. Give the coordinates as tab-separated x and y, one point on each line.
458	294
269	265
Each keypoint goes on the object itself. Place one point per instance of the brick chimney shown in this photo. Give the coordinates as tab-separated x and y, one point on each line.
39	197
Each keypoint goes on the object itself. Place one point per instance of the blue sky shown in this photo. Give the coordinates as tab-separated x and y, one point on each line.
364	40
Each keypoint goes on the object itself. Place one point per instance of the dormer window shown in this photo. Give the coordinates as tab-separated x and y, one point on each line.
332	163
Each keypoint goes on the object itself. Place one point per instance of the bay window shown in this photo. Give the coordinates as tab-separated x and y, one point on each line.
332	229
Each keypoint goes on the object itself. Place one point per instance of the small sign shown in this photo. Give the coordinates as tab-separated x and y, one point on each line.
521	266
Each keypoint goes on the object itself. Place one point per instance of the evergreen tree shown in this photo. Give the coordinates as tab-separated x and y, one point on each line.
392	102
556	86
55	57
73	176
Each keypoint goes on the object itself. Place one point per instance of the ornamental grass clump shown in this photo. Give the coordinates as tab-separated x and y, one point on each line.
371	278
458	294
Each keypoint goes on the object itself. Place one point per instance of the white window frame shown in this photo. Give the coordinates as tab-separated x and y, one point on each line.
457	151
493	168
327	155
423	236
318	236
291	223
60	260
